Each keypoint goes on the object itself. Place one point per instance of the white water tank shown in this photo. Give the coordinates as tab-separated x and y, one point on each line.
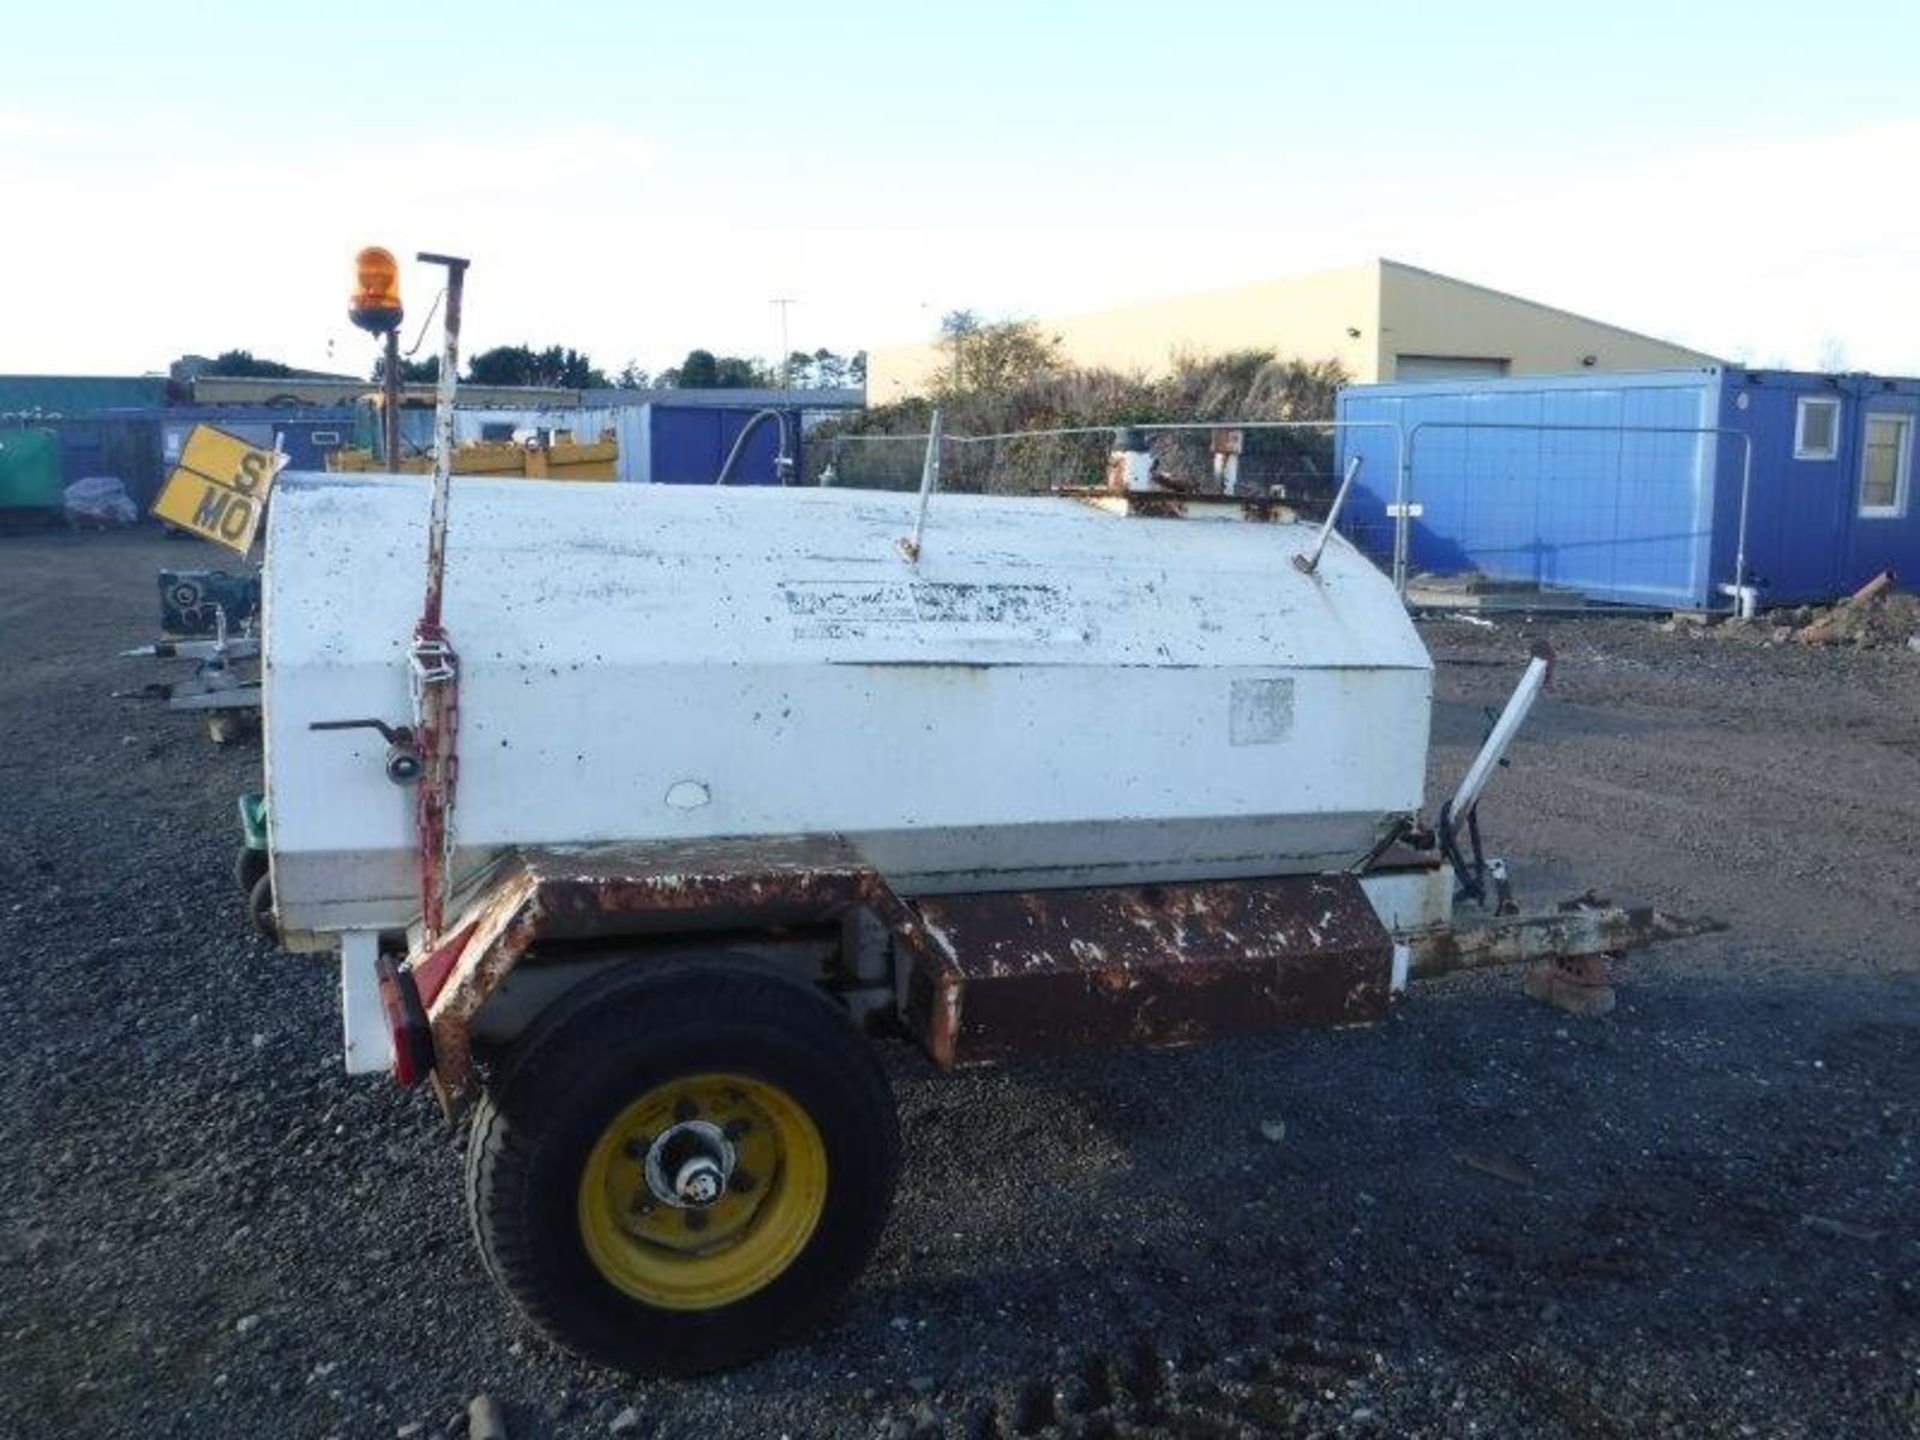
1053	695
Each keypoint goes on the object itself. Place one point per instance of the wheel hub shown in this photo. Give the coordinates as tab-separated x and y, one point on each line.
689	1165
702	1190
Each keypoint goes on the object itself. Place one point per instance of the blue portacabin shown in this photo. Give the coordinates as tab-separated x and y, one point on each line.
1627	488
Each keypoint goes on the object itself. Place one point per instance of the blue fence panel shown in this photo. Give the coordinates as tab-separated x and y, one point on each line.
1553	481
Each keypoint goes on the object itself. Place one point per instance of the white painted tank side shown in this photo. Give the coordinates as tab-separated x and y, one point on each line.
1053	695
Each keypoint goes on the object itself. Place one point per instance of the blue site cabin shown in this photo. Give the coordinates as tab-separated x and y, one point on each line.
1626	487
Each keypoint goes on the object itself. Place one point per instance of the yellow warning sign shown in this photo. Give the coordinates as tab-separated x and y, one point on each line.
220	488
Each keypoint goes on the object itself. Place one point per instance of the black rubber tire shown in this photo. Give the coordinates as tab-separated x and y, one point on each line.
260	906
597	1049
248	866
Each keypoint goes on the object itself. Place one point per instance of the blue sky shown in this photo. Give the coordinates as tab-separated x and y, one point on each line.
637	179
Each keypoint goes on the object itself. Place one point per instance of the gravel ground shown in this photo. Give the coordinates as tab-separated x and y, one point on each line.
1696	1216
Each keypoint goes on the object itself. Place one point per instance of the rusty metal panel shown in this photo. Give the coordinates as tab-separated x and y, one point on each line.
1018	973
696	884
634	889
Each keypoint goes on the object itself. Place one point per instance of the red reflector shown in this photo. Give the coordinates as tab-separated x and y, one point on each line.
406	1025
430	972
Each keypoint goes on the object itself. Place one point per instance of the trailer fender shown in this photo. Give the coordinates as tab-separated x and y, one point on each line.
532	897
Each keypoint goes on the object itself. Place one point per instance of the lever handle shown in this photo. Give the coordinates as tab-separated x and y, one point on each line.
403	762
392	734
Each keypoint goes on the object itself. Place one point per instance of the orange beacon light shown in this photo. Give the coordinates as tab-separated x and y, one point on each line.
375	303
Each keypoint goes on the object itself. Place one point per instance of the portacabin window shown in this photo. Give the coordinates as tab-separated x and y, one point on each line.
1816	428
1886	460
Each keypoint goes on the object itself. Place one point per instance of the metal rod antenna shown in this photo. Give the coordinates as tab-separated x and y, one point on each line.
434	668
929	479
443	436
781	303
1306	564
390	402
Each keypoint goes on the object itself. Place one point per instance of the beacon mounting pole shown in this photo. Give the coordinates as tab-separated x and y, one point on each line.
434	668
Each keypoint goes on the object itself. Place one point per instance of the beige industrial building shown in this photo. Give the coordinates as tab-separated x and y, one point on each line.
1381	320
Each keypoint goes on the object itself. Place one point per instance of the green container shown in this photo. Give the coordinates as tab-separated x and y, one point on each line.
29	470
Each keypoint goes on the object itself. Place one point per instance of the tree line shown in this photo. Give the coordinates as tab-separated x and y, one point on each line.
560	367
1013	377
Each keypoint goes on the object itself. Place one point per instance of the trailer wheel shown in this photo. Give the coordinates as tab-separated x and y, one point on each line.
248	866
682	1164
260	906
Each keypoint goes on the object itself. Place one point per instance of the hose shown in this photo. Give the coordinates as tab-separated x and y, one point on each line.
783	462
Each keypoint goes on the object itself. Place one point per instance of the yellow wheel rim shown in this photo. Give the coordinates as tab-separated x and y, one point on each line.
667	1248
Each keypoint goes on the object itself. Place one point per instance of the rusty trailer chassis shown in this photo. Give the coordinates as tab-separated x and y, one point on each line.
972	978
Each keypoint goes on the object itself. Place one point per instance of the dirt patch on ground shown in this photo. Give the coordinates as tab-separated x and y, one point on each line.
1877	618
1693	1217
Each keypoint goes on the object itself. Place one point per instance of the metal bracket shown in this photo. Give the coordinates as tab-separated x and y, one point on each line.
433	662
364	1034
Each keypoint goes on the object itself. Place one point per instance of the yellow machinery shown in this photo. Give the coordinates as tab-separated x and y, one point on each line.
503	460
